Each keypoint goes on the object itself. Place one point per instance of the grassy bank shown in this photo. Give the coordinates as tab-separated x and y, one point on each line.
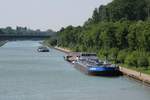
139	69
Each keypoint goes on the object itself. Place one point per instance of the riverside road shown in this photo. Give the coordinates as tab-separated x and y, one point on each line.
26	74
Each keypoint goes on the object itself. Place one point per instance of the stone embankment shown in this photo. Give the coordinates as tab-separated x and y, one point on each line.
144	78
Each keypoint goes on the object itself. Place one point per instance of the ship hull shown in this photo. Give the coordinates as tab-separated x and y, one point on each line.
100	71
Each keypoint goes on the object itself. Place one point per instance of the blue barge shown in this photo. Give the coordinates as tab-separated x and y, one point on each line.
90	64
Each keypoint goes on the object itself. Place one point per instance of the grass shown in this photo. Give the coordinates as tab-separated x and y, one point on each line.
139	69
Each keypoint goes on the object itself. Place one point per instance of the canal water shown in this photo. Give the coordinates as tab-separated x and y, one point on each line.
26	74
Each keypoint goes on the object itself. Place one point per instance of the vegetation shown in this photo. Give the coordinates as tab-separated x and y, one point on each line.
23	31
52	41
118	31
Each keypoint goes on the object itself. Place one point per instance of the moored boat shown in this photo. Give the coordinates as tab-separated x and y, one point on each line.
91	65
72	57
43	49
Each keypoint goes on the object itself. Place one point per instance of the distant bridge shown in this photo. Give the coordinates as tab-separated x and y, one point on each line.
32	36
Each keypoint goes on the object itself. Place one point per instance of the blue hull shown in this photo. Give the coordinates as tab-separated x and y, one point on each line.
98	70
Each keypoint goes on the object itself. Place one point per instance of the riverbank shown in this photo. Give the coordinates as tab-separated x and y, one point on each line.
65	50
144	78
2	43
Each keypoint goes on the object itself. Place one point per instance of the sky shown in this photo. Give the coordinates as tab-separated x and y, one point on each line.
46	14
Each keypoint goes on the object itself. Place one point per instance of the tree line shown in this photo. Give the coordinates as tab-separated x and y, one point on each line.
23	31
118	31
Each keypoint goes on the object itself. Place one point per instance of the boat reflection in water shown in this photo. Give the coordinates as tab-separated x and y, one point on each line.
91	65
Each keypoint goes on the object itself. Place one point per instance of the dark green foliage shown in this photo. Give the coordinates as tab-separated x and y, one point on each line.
123	9
114	54
103	54
95	16
138	59
121	34
132	58
142	61
52	42
122	56
119	31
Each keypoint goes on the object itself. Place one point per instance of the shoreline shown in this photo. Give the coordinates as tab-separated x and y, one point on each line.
3	43
141	77
62	49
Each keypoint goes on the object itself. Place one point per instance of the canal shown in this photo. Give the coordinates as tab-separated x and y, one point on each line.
26	74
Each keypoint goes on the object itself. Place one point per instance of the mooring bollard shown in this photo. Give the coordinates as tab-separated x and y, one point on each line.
140	74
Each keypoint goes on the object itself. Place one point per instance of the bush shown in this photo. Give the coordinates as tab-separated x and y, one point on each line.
142	61
113	54
52	42
122	56
103	54
131	59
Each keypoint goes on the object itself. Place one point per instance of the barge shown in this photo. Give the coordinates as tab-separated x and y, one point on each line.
91	65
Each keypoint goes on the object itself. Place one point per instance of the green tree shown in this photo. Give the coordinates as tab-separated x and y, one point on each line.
95	16
131	59
114	54
122	56
142	61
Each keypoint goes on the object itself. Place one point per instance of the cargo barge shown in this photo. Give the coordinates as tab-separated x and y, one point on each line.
91	65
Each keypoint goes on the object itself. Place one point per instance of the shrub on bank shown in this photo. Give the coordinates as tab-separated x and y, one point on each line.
51	42
138	59
131	59
103	54
142	61
113	54
122	56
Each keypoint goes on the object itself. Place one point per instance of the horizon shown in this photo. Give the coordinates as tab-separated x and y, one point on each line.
46	14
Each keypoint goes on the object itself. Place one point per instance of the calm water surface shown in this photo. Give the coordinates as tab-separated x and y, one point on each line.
26	74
